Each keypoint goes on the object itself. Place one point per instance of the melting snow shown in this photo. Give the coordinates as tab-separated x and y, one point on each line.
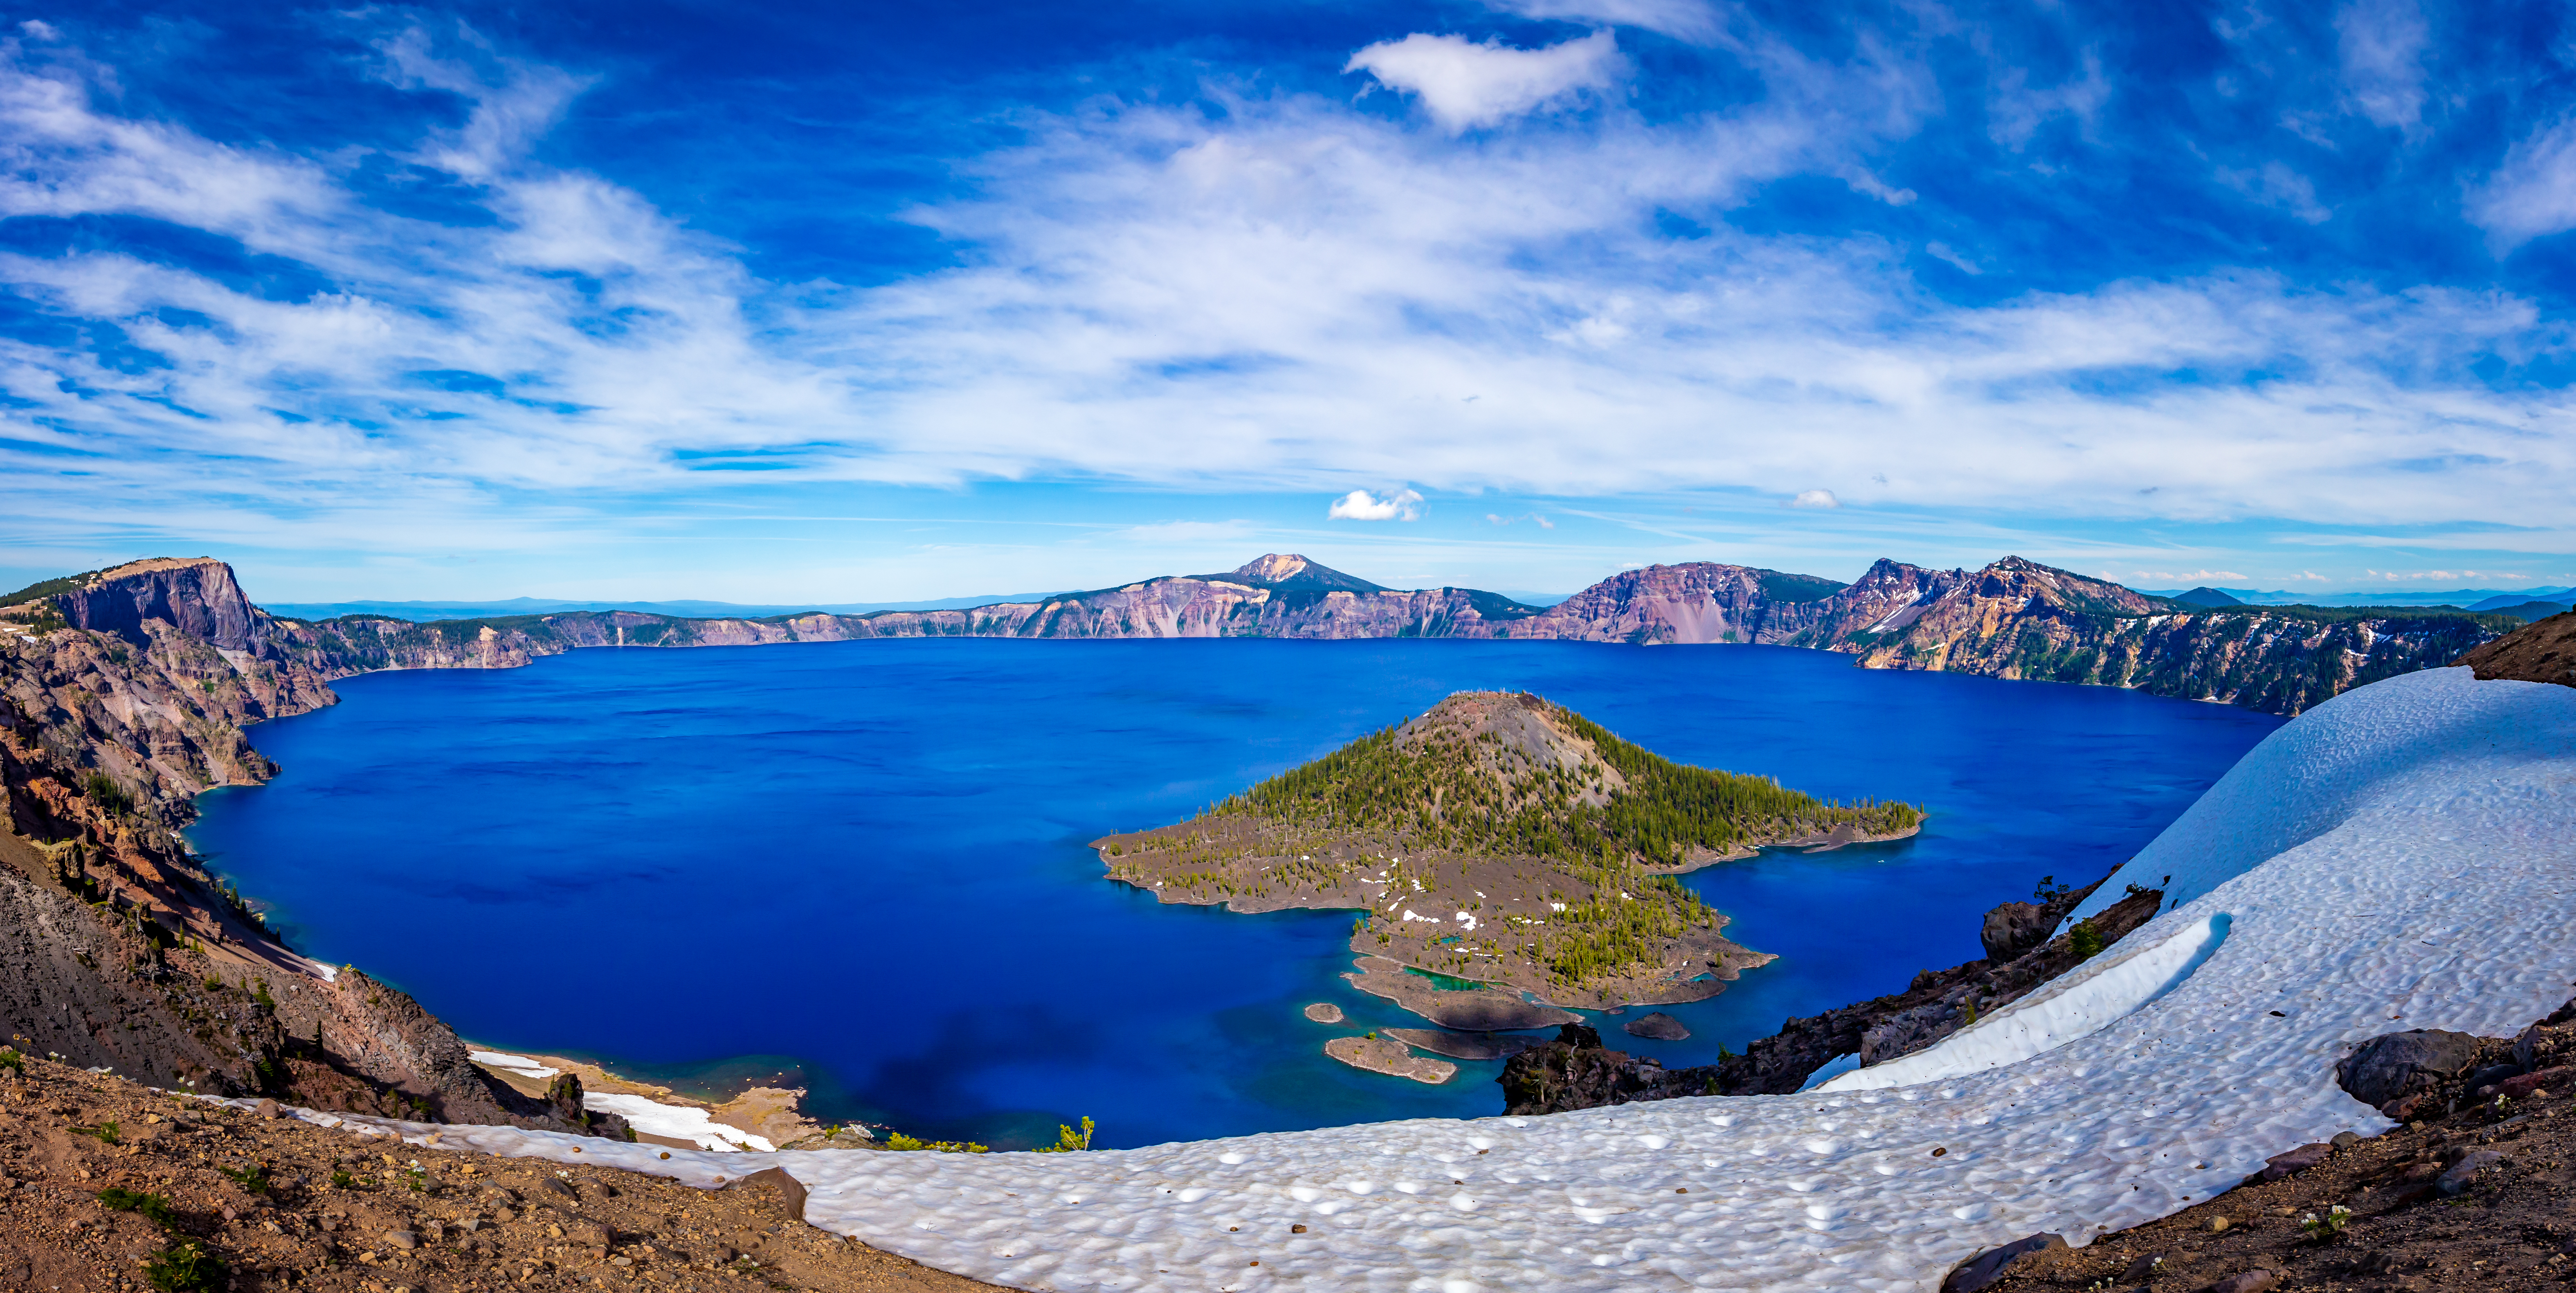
675	1122
2308	881
519	1064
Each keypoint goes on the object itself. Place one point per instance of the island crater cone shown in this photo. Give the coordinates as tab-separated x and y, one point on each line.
1511	857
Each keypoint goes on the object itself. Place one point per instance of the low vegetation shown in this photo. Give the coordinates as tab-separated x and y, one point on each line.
1543	841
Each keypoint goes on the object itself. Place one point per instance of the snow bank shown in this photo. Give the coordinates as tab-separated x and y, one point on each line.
2398	858
519	1064
674	1122
2078	1004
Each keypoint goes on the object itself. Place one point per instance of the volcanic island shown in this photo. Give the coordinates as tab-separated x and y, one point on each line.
1511	857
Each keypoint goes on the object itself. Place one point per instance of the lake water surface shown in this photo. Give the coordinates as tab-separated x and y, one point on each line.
862	865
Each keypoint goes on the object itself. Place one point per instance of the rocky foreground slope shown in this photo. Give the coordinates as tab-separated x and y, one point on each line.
105	1184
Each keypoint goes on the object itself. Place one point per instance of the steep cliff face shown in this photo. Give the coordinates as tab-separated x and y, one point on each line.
2542	651
1700	602
2019	619
120	699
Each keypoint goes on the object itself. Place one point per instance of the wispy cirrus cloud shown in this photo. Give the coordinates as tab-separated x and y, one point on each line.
1256	288
1692	20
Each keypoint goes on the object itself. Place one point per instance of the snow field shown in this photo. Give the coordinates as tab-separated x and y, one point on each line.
2402	857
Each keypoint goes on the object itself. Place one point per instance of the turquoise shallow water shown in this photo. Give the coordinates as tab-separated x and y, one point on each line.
861	865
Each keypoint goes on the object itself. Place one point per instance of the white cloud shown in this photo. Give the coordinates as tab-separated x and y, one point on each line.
1360	505
1942	251
1466	86
2382	47
2533	194
1815	498
1354	281
2015	109
2274	184
1690	20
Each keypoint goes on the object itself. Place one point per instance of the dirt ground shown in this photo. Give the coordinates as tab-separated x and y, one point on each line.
330	1210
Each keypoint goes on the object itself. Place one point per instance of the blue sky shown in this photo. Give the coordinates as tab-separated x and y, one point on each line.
772	303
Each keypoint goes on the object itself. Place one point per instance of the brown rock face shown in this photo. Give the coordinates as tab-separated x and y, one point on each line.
117	948
2542	651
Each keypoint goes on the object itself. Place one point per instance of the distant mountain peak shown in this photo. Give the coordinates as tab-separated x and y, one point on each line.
1288	570
2208	596
1272	567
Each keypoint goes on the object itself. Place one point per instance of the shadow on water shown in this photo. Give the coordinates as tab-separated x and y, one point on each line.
870	856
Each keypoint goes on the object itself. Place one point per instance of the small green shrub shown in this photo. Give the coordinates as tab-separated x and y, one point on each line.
2329	1225
898	1140
103	791
151	1207
12	1060
1069	1141
2085	940
253	1178
184	1268
106	1132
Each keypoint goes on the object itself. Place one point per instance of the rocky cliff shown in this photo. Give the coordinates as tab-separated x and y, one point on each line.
2012	619
2019	619
2542	651
120	699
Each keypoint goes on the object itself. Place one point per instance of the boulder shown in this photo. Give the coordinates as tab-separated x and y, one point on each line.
2253	1281
2015	928
2297	1160
1986	1268
2464	1173
1658	1027
790	1191
2398	1064
2520	1088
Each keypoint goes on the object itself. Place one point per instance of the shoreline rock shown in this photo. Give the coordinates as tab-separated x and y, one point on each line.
1480	1011
1391	1057
1657	1027
1324	1012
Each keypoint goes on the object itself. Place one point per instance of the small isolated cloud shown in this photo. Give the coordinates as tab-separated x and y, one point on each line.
1689	20
2276	185
1466	86
2188	576
1942	251
1361	505
1499	519
1815	498
2534	193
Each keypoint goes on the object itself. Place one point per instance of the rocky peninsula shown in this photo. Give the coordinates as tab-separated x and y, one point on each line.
1509	857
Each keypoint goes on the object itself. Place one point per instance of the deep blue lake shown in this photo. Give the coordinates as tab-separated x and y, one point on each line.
863	864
